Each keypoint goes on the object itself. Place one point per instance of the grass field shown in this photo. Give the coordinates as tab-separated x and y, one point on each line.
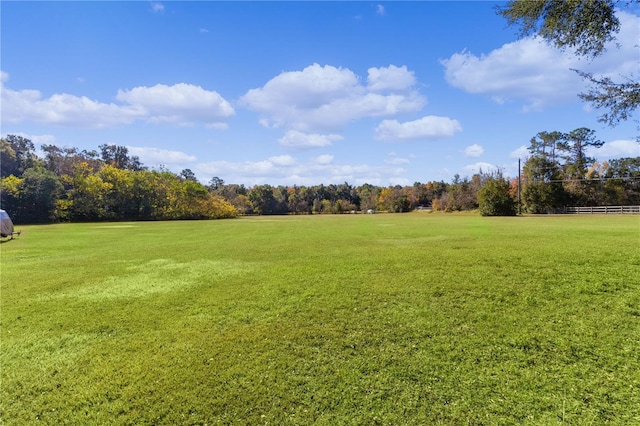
332	320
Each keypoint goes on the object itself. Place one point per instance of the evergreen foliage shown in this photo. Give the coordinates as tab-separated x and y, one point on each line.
494	198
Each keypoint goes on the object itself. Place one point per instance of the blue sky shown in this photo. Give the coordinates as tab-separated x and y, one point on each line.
299	92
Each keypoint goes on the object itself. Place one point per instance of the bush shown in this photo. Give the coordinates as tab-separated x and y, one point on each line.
494	198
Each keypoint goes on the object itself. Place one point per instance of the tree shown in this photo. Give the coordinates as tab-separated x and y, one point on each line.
85	199
620	99
216	183
118	156
543	190
17	154
585	26
573	147
188	174
36	201
296	202
494	198
622	183
544	145
262	199
368	196
393	199
63	161
8	160
11	189
463	194
120	201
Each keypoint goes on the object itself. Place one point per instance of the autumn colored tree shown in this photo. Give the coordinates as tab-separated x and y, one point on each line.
393	199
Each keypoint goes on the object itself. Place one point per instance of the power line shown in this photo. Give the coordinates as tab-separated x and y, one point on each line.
629	178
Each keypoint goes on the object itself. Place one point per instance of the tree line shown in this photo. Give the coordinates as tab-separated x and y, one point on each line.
559	172
110	185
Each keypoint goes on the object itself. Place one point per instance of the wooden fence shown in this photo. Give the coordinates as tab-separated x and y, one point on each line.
603	210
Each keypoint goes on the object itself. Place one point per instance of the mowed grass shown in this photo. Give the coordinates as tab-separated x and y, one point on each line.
332	320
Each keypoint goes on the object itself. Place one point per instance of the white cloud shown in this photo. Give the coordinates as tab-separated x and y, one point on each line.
616	149
217	126
157	7
157	156
520	152
63	109
429	127
36	139
321	99
179	104
324	159
380	9
283	160
296	139
474	150
532	71
390	78
321	169
527	69
393	159
399	181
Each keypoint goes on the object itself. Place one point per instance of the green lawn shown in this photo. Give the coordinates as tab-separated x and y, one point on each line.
356	319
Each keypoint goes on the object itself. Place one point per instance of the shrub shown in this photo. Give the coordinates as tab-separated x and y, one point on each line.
494	198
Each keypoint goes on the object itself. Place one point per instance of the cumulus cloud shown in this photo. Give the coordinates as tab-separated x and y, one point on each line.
390	78
297	139
157	156
324	159
520	152
320	169
474	150
427	128
283	160
64	109
616	149
527	69
531	71
326	98
179	104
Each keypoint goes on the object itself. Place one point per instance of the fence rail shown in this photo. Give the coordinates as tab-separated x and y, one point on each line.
603	210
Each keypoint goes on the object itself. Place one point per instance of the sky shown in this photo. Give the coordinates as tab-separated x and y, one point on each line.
300	93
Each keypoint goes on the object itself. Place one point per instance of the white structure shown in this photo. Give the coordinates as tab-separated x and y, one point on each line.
6	225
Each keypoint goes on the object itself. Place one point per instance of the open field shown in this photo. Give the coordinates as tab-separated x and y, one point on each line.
331	320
